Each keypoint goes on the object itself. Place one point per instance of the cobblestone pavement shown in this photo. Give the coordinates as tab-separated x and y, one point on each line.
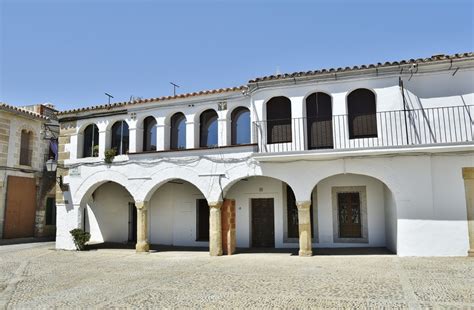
40	277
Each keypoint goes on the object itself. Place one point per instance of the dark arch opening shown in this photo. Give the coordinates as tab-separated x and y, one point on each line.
361	109
91	141
279	120
319	121
178	132
120	137
240	126
208	129
149	134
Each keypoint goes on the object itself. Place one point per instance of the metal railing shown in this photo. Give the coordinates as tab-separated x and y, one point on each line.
433	126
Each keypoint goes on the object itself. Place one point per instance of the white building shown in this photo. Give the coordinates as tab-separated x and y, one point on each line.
372	156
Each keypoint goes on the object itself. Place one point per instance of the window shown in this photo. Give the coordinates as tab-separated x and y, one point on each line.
362	114
178	131
50	211
149	134
279	120
120	137
91	141
25	148
202	220
240	126
292	215
208	129
348	210
319	121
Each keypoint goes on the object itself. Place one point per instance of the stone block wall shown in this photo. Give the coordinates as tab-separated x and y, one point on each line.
228	226
67	129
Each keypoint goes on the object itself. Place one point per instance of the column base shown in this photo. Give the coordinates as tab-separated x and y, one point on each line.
142	247
305	253
470	253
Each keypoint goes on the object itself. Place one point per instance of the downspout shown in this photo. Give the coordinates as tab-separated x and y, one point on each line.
400	83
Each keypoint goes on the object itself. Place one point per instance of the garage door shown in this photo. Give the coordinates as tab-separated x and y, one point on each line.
21	208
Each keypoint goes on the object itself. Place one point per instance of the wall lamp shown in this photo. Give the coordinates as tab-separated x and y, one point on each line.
52	166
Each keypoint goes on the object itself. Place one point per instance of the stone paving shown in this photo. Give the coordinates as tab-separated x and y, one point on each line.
41	277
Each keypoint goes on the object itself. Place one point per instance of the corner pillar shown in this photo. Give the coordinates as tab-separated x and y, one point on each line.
468	176
142	227
215	229
304	225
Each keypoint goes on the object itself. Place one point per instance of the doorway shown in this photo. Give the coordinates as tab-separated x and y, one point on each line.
132	222
263	223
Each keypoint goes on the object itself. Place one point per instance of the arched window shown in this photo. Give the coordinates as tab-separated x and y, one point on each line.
361	110
319	121
149	134
240	126
279	120
120	137
208	129
90	146
178	132
25	148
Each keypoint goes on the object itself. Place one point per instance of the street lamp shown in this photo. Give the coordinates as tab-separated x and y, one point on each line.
52	166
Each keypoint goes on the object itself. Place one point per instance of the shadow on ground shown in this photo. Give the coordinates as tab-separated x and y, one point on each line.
316	251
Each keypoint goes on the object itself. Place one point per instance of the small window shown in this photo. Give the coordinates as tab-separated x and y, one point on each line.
51	211
202	220
208	129
120	137
279	120
178	132
362	114
349	215
149	134
25	148
91	141
240	126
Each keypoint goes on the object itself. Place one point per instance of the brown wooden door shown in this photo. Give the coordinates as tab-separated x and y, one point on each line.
263	228
21	208
349	215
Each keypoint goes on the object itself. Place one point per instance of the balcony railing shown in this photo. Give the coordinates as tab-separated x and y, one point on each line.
433	126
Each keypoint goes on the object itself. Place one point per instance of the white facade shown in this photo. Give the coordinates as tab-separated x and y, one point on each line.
408	177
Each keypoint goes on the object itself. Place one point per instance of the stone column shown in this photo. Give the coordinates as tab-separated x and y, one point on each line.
468	175
215	229
142	227
304	225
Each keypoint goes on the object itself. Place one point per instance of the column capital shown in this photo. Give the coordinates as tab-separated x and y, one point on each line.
468	173
301	205
141	205
215	204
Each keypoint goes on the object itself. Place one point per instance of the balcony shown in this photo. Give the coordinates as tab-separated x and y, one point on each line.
389	129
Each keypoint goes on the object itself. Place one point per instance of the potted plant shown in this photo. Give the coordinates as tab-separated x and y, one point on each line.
109	155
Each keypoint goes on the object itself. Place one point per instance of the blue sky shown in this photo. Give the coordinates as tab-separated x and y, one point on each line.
71	52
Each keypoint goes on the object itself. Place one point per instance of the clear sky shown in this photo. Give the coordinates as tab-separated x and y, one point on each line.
70	52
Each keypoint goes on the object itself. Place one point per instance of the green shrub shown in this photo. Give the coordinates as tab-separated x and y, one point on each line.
80	238
109	155
95	151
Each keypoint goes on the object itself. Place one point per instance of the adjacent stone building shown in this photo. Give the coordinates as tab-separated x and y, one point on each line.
378	155
27	192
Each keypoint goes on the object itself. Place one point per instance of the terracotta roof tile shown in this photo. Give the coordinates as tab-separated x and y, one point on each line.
363	67
13	109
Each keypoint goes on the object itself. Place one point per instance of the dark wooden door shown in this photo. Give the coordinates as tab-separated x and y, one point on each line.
263	228
132	222
202	220
20	211
349	215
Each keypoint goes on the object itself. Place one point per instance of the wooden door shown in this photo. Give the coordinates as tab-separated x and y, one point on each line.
20	210
349	215
132	222
263	228
202	220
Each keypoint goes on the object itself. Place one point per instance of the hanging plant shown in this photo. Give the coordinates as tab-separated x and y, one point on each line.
109	155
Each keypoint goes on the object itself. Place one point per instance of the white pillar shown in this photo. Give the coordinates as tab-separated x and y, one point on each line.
162	137
215	229
142	227
104	142
304	226
222	128
192	135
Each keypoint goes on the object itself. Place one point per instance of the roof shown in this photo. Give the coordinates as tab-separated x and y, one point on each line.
16	110
431	59
164	98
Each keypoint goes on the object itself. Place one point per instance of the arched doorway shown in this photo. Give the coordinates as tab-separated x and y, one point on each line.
355	210
110	215
178	215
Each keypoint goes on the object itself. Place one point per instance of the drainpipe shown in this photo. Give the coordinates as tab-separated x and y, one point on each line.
400	83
